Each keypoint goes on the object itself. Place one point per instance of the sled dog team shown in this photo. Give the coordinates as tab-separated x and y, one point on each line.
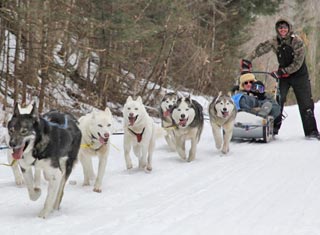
52	143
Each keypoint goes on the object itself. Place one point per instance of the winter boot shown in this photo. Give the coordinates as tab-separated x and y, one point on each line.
265	109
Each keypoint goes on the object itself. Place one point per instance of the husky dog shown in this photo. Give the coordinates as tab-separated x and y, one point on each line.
166	105
188	118
139	133
222	113
4	139
96	128
50	143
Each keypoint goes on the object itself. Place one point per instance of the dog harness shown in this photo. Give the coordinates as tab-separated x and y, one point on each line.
64	126
138	135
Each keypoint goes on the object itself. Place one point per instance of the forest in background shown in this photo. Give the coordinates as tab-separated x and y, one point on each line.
109	49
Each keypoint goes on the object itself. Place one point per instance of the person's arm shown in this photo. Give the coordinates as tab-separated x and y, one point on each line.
261	49
299	52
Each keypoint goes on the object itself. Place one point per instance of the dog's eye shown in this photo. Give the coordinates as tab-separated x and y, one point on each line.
135	108
108	125
23	131
99	125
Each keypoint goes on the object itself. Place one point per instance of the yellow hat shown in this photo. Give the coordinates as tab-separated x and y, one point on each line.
245	78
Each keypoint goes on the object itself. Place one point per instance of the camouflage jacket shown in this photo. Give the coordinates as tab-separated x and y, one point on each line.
293	40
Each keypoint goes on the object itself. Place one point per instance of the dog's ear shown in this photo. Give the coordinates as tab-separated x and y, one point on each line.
139	99
129	99
218	97
107	111
16	111
34	112
229	93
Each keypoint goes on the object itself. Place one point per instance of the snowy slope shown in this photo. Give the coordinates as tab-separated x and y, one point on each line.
257	188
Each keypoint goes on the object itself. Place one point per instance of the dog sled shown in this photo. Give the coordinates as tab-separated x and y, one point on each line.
250	126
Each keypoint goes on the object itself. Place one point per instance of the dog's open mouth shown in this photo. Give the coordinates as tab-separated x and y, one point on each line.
132	119
183	122
18	152
103	139
225	113
167	113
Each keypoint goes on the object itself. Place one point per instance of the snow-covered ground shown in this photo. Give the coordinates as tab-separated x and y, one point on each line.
260	189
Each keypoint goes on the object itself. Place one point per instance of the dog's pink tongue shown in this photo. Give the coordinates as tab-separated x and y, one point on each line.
166	113
131	120
225	114
103	140
17	153
183	122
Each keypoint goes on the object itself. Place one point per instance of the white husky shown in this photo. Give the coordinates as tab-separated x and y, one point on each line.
222	113
139	133
96	128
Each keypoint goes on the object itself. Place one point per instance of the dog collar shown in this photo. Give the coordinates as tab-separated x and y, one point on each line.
138	135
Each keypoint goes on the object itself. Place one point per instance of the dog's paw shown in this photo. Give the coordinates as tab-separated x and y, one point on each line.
225	150
44	213
86	183
148	169
19	181
97	190
129	166
218	146
35	194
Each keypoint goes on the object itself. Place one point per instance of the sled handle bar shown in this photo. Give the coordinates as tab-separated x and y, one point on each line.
264	72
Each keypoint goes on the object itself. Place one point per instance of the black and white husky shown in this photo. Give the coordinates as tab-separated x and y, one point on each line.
222	113
187	115
50	143
166	105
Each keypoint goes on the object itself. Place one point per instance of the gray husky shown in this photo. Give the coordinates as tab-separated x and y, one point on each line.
188	119
222	113
50	143
166	105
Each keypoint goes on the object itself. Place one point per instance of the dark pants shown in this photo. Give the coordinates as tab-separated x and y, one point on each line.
302	90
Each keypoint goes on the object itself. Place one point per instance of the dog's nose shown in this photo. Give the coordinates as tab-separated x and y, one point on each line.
106	135
182	116
170	106
130	114
224	109
12	144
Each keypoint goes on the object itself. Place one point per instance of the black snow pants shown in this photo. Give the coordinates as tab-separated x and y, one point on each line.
302	90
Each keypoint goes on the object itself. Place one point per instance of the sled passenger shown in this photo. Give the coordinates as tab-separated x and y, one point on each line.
265	100
292	72
253	99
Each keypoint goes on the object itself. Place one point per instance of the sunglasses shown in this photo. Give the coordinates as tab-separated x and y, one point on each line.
257	88
283	27
247	82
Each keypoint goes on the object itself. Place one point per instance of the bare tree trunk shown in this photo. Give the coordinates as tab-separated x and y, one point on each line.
16	60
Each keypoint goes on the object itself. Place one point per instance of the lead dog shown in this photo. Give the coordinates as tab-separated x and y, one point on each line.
96	128
166	105
188	118
139	133
50	143
222	113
